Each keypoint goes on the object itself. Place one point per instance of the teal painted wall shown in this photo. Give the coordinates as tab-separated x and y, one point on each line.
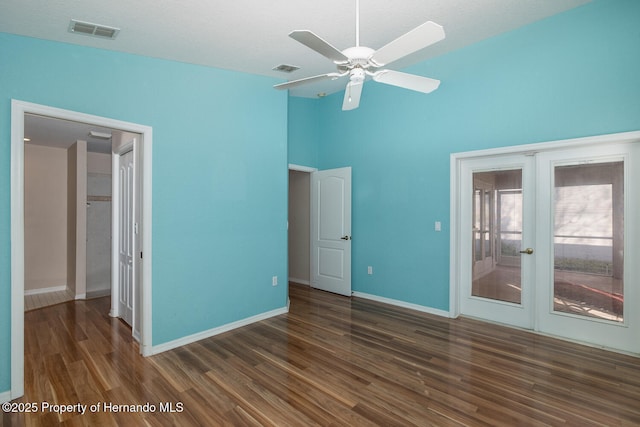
572	75
219	175
304	131
568	76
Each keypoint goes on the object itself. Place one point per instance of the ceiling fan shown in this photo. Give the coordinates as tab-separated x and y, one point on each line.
359	62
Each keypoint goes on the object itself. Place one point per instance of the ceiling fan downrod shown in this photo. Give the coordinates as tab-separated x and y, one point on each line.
357	23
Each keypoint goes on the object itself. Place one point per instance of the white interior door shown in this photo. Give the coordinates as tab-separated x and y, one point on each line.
331	230
496	229
126	245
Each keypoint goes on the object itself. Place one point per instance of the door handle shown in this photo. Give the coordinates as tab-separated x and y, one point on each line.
346	237
527	251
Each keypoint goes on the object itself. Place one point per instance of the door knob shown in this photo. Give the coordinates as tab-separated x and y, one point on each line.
527	251
346	237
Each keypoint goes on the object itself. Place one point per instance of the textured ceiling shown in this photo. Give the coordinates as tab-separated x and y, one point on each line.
251	35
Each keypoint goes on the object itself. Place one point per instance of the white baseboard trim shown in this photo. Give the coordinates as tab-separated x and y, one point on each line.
81	296
5	396
300	281
98	293
156	349
45	290
403	304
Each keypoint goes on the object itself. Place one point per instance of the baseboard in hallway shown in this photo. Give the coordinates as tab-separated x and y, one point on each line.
32	302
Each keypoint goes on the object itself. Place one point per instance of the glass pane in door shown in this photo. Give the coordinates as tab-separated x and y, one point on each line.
588	240
497	235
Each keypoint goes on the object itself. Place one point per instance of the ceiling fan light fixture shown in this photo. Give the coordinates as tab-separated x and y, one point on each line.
357	75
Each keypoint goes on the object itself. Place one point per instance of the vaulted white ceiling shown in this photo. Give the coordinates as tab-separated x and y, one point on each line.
251	35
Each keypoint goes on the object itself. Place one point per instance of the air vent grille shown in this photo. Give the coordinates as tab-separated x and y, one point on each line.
286	68
95	30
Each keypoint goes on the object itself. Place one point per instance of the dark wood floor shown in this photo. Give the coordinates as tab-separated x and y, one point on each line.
331	361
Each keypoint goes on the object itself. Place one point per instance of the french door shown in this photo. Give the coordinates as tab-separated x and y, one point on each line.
496	199
588	247
549	242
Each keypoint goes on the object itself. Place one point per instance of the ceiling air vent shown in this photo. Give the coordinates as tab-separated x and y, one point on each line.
95	30
286	68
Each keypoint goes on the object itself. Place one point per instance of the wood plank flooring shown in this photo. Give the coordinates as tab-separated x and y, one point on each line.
330	361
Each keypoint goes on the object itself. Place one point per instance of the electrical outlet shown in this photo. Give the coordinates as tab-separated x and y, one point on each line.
369	270
274	281
438	226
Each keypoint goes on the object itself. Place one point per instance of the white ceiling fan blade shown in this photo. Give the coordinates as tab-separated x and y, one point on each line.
307	80
321	46
407	81
416	39
352	95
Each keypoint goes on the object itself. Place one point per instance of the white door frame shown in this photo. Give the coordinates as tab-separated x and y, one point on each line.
456	159
300	168
18	110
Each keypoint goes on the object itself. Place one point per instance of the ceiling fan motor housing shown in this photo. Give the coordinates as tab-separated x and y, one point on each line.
357	75
358	57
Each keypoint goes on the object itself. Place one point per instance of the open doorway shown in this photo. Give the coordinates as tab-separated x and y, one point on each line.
320	228
141	146
299	224
67	210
